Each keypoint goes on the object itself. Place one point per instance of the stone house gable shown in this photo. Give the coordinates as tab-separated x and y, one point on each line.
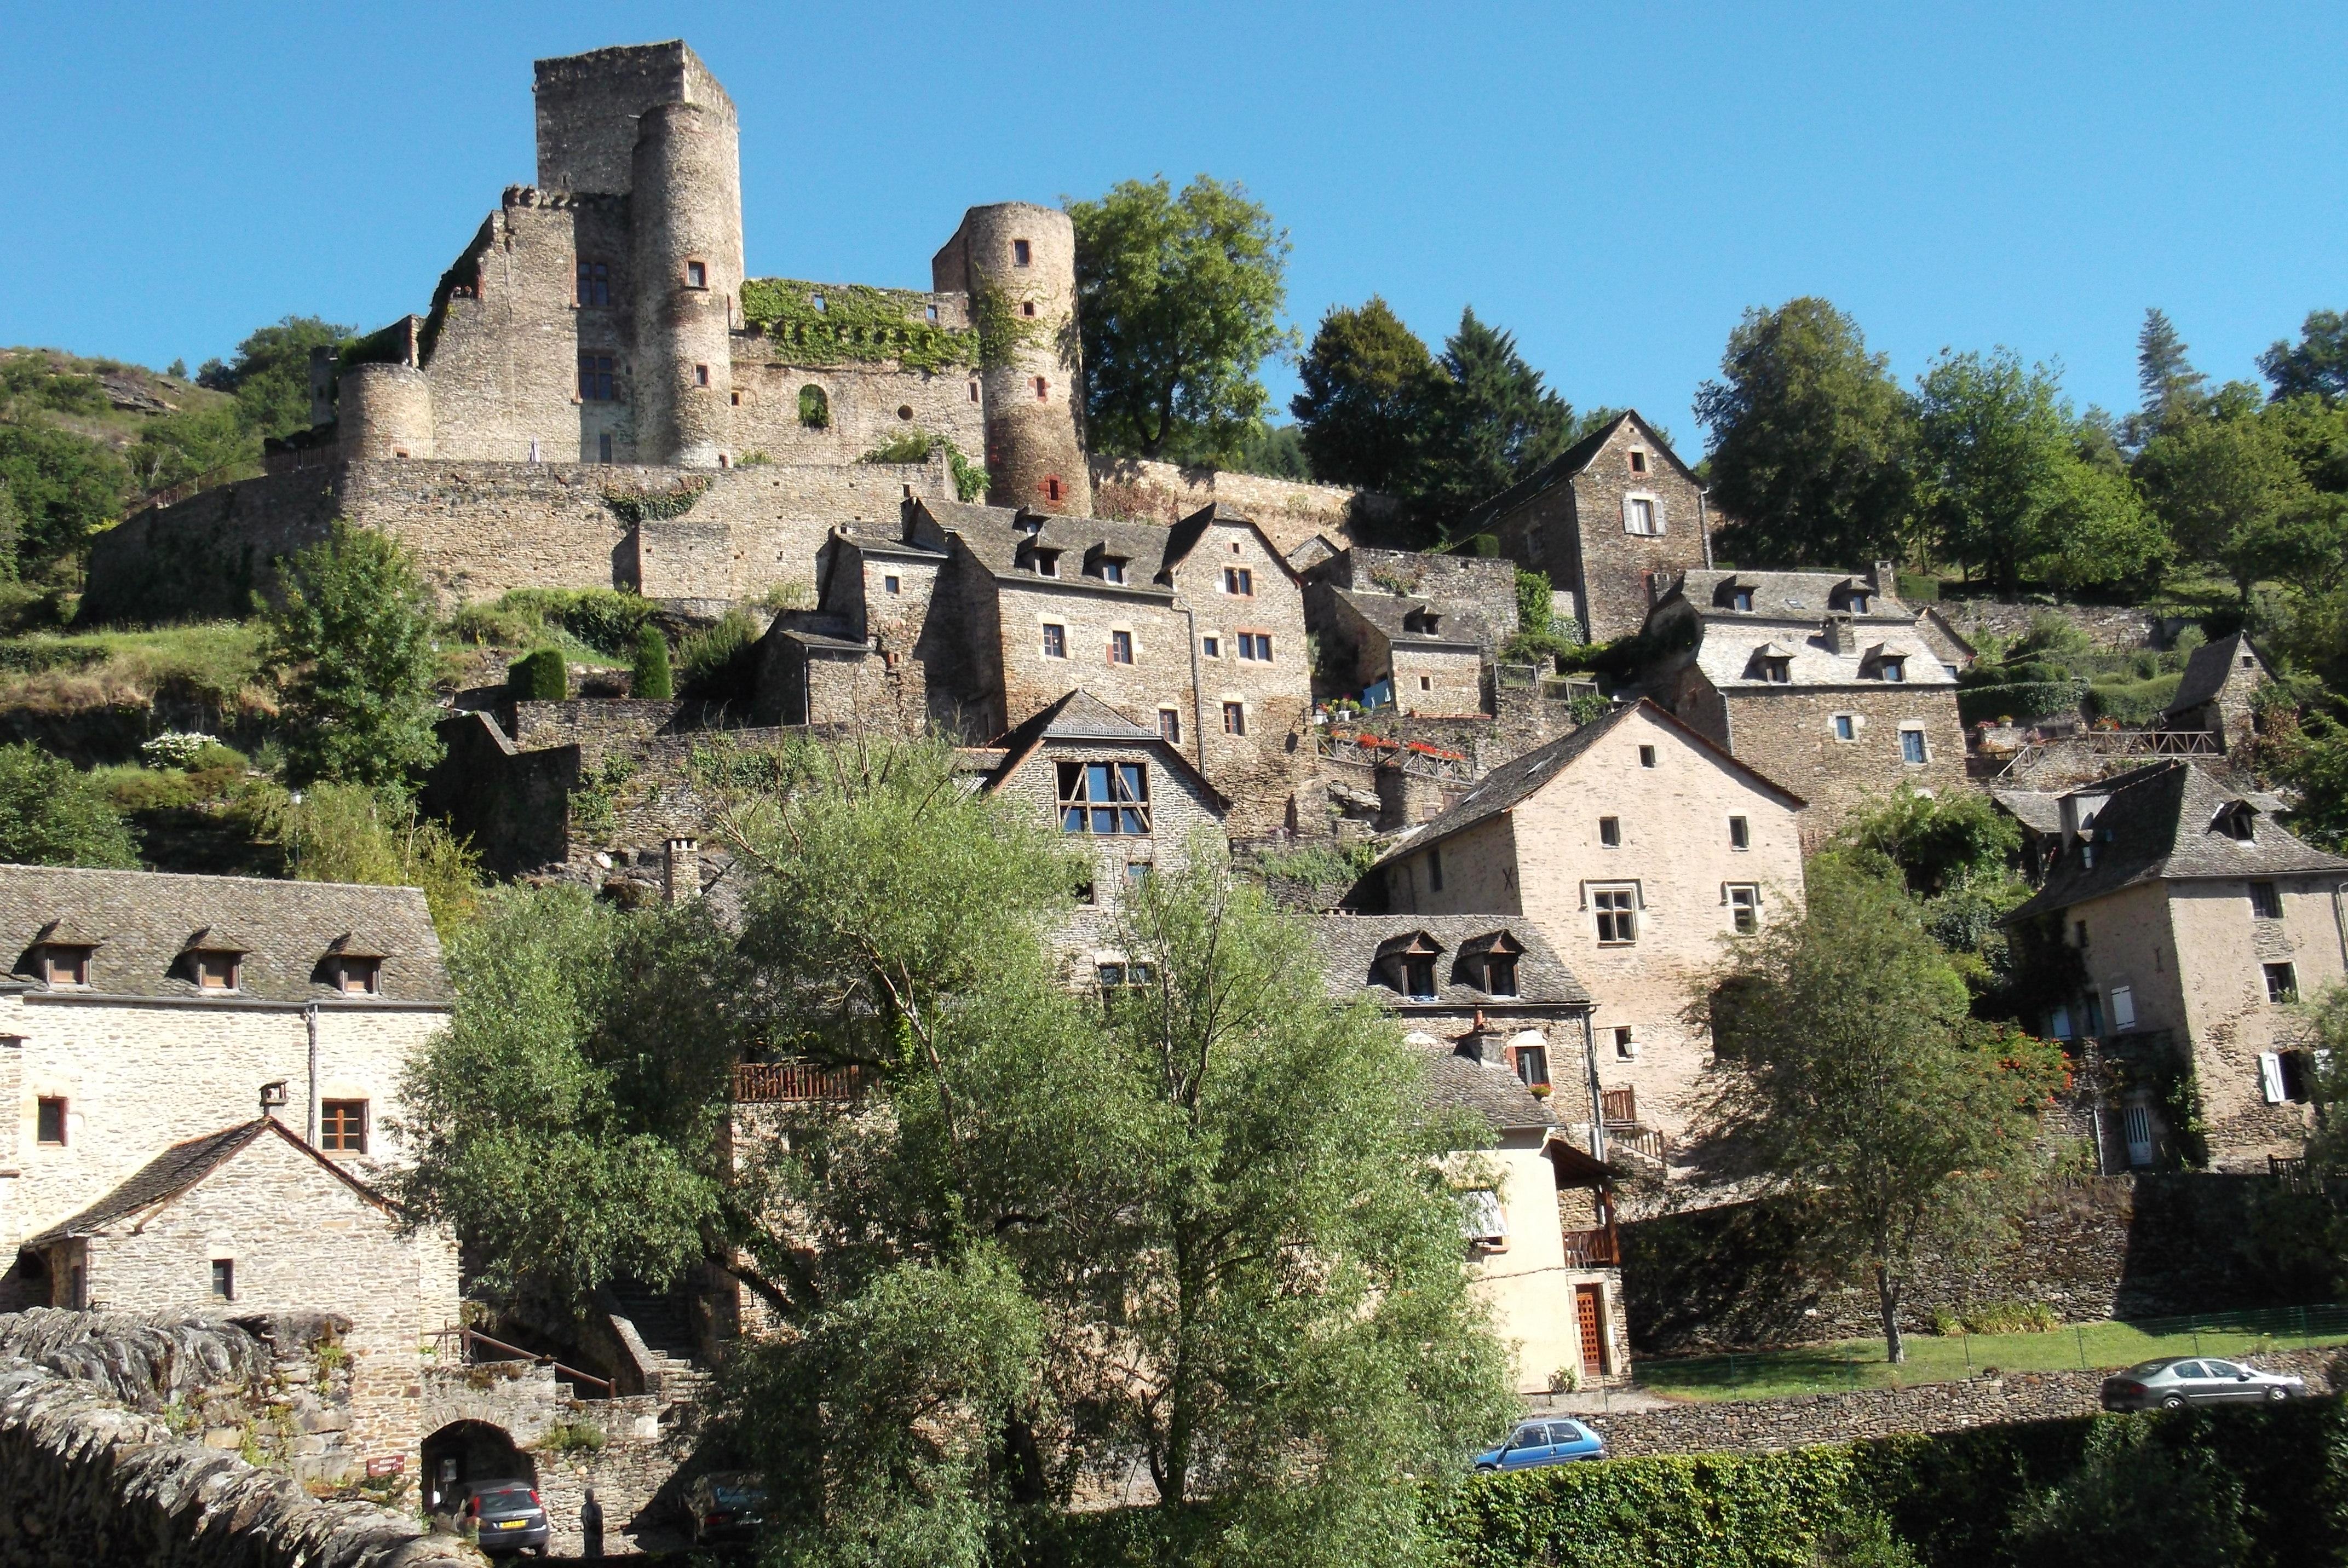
2221	679
2196	921
1610	517
1638	848
255	1213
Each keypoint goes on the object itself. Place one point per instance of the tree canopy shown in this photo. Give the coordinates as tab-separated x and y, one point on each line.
1180	297
1368	384
53	814
2317	364
352	634
1493	420
270	376
1810	440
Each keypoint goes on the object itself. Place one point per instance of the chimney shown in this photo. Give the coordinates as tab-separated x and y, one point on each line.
272	1098
1840	635
684	873
1885	579
1482	1042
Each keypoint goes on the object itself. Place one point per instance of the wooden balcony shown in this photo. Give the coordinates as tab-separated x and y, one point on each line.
1619	1106
1599	1248
795	1083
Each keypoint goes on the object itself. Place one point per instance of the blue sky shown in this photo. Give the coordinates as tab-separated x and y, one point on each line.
1615	183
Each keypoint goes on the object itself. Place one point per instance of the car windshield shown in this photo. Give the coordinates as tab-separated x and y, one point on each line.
738	1496
2147	1369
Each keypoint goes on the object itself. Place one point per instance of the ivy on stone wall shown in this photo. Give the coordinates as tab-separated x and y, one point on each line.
915	446
822	323
1002	330
655	506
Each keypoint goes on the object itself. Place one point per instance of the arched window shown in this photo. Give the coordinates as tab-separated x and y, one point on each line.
815	408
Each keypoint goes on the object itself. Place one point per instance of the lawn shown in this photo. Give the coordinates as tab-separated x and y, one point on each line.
1939	1358
68	672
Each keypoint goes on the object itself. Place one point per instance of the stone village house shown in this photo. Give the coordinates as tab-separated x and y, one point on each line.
2195	921
1824	681
1638	848
144	1020
2214	697
1497	1017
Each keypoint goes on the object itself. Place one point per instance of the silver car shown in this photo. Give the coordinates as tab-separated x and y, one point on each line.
2174	1382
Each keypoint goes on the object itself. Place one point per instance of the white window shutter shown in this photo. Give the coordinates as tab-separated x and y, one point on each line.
2270	1076
2122	1008
1480	1216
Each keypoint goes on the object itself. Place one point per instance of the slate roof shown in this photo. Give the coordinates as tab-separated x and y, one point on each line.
2208	671
142	920
1350	943
1727	651
1796	596
1485	1088
1388	612
1514	781
2157	825
1565	465
2040	811
181	1167
1080	717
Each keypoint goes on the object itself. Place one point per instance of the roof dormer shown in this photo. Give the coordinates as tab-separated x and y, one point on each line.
212	959
61	954
1405	964
2236	820
1772	662
1423	620
1491	959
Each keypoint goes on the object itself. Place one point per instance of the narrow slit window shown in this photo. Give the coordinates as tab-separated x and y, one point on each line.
1435	869
1740	834
1610	832
1043	389
224	1279
1021	253
701	375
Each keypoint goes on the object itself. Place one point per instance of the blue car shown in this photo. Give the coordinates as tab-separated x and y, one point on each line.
1544	1442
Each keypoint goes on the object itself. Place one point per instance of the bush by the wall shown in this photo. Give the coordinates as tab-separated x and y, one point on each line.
719	662
2134	704
651	679
540	677
2021	702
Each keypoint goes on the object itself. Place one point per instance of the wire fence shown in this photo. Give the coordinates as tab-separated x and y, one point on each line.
1941	1358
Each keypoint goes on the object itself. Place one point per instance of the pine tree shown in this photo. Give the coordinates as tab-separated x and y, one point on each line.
1497	422
2171	386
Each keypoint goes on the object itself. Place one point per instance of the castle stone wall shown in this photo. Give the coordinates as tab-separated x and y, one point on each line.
588	105
1141	490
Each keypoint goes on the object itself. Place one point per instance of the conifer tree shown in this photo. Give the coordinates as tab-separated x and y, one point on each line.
1495	423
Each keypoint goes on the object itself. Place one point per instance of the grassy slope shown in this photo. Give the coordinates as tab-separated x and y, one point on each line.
119	428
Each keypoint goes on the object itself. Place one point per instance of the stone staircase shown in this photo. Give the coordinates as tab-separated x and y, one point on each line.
663	1323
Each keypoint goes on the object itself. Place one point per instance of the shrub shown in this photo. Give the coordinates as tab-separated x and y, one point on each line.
719	662
1996	1318
2135	704
1917	587
539	677
352	633
651	679
347	832
601	618
52	814
1588	708
174	749
571	1437
2021	702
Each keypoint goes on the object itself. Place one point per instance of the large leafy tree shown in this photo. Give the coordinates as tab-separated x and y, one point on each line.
2006	487
1370	391
2232	493
52	814
1202	1229
1495	422
1180	297
270	376
1810	440
63	487
351	634
1848	1072
2317	364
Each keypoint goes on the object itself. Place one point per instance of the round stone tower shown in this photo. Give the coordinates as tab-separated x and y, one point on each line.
384	411
1017	261
685	208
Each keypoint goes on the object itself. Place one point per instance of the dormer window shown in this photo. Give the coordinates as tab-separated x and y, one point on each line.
1500	975
356	975
2233	820
1421	620
1407	963
1111	569
1857	604
1047	563
64	964
1772	664
1418	978
214	970
1892	668
1740	599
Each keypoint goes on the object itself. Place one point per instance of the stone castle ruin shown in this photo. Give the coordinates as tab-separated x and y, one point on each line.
599	394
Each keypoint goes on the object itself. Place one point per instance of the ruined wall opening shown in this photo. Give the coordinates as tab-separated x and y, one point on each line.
814	407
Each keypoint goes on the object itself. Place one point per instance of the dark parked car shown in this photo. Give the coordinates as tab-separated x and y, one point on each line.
1550	1441
504	1516
726	1506
2174	1382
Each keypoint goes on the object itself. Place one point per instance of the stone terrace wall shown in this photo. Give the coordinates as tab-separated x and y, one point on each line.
1770	1426
89	1479
1287	511
2121	629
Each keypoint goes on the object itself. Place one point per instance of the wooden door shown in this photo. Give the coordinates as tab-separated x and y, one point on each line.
1586	1316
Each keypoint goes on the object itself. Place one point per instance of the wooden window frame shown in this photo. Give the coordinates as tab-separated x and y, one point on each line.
71	960
1238	581
1616	910
1235	719
1122	813
1120	647
343	1126
364	969
1055	640
205	963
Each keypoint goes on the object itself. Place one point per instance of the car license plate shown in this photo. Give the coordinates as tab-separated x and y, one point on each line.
513	1524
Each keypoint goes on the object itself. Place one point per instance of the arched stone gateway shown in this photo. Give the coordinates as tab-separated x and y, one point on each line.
463	1452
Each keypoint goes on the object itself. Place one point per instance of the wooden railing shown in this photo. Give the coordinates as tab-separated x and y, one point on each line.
1647	1141
466	1339
1599	1248
790	1083
1619	1106
2100	743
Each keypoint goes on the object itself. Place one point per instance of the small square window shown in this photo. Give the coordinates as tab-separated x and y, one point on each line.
934	313
1426	682
342	1126
1610	832
1210	647
734	398
224	1279
1858	604
701	375
1021	254
1169	726
2283	983
1500	976
1136	873
1043	389
50	1121
1741	599
1028	307
1640	516
1894	669
696	275
1911	747
214	971
66	965
1235	717
1638	462
1846	728
1740	834
1744	908
1056	641
1240	581
1617	918
2266	903
1120	647
358	977
1626	1048
891	584
1777	671
1111	570
1646	756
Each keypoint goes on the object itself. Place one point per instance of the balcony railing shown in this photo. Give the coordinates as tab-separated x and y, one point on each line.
1647	1141
1620	1107
1599	1248
795	1083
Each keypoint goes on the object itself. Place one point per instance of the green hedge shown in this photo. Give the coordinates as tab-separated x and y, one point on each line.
652	680
2133	703
2022	700
540	677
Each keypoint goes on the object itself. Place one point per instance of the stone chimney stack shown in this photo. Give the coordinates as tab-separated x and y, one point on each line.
1886	579
682	878
1841	636
1482	1042
272	1098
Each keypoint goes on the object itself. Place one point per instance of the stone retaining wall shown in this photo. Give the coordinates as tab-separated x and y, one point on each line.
1770	1426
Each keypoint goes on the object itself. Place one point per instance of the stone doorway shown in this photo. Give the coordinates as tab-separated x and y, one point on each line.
466	1451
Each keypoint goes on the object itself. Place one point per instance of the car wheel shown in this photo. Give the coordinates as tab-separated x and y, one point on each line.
2277	1396
2174	1402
